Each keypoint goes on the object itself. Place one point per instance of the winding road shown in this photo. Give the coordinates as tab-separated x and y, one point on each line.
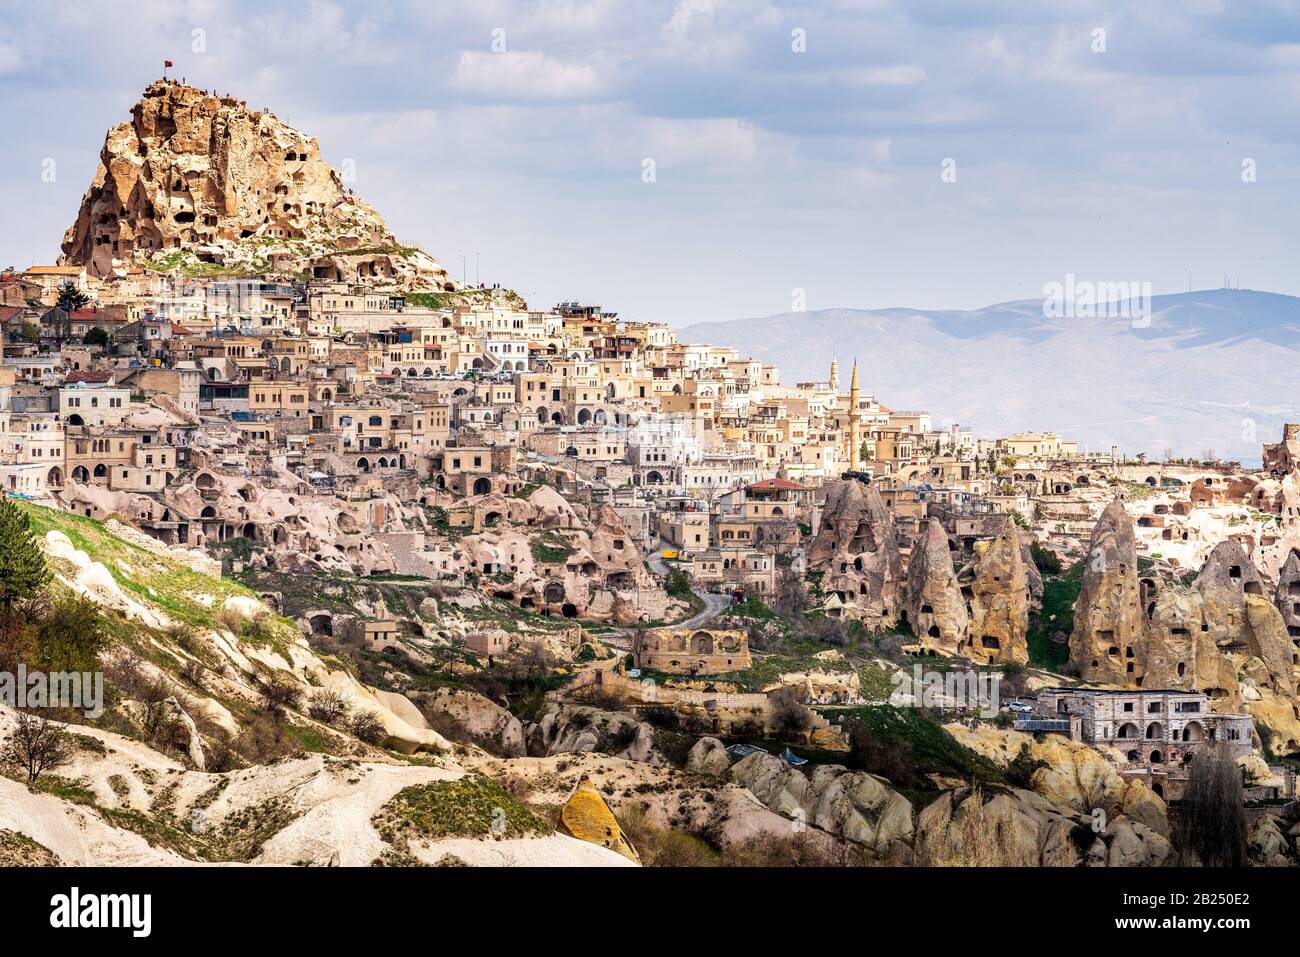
714	604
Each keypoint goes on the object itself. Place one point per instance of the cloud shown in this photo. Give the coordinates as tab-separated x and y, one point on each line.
527	76
775	168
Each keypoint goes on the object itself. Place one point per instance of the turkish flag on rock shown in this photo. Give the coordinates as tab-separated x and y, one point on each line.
166	63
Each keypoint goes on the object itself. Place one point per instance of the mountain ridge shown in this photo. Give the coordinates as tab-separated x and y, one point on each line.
1104	381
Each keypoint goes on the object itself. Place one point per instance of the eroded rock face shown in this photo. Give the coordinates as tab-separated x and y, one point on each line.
588	818
1221	634
1108	628
1287	596
936	609
708	756
853	805
203	174
1001	592
590	729
452	710
856	547
598	574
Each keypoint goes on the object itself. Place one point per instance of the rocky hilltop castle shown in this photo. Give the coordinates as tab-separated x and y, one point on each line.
198	178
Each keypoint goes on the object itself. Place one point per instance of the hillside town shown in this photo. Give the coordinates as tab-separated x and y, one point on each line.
564	534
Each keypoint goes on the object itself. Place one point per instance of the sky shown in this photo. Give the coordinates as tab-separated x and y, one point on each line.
694	160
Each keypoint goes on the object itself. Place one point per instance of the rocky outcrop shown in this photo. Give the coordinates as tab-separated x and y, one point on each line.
857	548
587	817
461	715
1222	634
1054	824
1108	639
1000	589
853	805
202	180
936	609
573	729
1287	596
1017	828
1237	617
708	756
589	571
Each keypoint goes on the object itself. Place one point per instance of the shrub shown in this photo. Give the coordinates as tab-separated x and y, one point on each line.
69	633
678	585
789	716
1020	770
797	850
328	706
38	745
664	847
471	806
368	727
194	672
282	693
264	741
22	563
1048	562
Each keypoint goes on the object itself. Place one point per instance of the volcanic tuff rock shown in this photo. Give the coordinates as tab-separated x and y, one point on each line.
857	548
854	805
708	756
935	606
1220	634
1287	596
484	722
1002	584
202	182
1108	615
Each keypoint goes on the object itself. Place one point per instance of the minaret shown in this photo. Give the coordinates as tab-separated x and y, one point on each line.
835	376
855	419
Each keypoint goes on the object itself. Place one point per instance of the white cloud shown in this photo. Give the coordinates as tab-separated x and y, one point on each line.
526	76
687	12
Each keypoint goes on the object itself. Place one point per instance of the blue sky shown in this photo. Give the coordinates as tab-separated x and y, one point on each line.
775	170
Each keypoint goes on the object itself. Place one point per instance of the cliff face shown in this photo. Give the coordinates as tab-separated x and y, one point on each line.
1220	633
1108	643
202	183
936	608
856	546
980	612
1002	583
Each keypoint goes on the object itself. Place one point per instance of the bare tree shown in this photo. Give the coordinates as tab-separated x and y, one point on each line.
328	706
1212	828
791	598
789	716
38	744
368	726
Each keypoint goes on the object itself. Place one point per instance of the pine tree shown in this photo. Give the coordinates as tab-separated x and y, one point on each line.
22	565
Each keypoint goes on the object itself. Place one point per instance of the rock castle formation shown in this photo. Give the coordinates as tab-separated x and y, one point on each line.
201	182
981	612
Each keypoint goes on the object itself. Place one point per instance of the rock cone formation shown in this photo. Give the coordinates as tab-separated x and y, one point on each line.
1219	634
201	183
1001	582
936	608
857	548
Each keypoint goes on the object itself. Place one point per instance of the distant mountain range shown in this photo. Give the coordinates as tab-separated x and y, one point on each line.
1215	370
